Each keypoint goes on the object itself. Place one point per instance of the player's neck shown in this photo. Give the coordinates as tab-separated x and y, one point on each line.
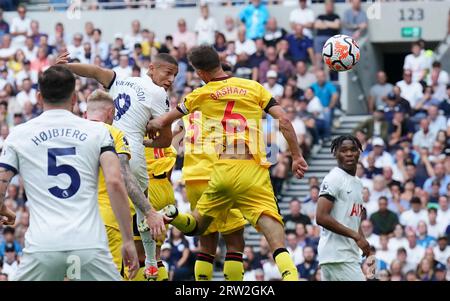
351	171
48	107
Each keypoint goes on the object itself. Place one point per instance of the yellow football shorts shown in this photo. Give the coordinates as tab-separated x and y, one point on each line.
240	184
234	220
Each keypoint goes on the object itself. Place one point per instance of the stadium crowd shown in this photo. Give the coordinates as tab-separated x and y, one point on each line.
405	166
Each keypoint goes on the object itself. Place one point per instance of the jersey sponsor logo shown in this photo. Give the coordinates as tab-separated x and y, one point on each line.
357	210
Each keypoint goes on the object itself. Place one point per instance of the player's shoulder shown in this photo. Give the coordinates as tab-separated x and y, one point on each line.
334	177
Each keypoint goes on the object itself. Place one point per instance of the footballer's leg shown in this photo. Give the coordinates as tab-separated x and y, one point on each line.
204	263
233	268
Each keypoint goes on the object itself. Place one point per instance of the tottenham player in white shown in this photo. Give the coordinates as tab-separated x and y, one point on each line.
339	212
137	100
58	156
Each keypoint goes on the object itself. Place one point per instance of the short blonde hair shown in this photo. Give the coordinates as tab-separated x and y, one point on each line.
100	96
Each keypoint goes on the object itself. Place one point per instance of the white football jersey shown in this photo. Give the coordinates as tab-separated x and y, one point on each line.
346	190
137	100
57	155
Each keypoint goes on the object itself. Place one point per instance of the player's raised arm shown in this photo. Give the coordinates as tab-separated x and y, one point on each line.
102	75
299	165
323	218
119	203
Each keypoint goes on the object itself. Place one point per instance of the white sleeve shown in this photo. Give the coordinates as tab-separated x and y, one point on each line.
407	62
9	159
112	89
159	103
330	187
106	140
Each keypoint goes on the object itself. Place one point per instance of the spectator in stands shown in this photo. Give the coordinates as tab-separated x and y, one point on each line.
181	260
326	25
414	251
9	242
4	26
440	271
97	46
425	270
303	16
27	94
438	79
396	203
440	176
75	49
382	157
26	72
367	230
370	206
437	154
183	35
444	210
411	91
6	50
437	122
295	217
30	50
300	46
435	229
379	92
309	205
383	220
328	96
272	86
396	270
230	31
401	129
416	62
307	269
412	217
305	78
255	17
135	36
244	69
424	138
442	250
375	126
273	33
35	34
424	104
398	240
354	22
423	239
205	27
285	67
257	58
123	70
20	26
384	253
59	38
10	263
294	249
243	44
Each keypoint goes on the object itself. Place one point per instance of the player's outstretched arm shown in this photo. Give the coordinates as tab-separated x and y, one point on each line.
102	75
154	220
324	219
119	203
7	217
155	126
299	165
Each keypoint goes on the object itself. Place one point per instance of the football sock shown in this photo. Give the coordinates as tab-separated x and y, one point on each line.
233	268
162	272
203	267
148	243
185	222
285	265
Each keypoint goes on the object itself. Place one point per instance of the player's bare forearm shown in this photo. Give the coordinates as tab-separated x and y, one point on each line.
134	192
102	75
117	193
155	126
5	178
324	219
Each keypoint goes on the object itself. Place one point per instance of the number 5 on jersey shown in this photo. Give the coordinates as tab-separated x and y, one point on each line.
54	170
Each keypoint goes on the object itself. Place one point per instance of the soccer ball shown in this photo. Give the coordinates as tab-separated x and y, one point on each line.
340	53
